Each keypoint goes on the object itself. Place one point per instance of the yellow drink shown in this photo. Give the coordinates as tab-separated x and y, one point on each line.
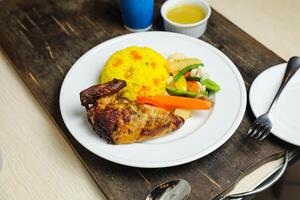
186	14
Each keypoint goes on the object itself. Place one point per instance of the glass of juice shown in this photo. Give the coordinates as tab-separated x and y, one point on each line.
137	15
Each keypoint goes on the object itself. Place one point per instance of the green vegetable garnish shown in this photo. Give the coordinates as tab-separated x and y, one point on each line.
176	92
206	93
186	69
210	85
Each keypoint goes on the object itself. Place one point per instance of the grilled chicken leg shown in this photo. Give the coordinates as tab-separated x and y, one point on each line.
121	121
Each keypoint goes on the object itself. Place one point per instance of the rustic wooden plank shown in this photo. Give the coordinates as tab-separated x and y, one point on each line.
43	38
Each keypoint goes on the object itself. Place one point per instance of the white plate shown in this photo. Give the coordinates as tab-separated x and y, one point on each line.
200	135
285	116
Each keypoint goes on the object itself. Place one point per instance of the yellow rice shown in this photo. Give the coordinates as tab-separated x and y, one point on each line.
144	70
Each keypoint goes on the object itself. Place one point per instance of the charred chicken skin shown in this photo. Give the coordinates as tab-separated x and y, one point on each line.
121	121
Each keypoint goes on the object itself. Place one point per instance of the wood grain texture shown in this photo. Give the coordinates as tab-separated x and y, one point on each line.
43	38
38	164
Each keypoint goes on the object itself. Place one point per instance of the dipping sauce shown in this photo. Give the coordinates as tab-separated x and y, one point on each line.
186	14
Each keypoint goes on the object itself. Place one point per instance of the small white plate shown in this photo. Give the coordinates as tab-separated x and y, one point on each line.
199	136
285	116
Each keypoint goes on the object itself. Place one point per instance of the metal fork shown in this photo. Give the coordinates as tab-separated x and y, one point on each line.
262	126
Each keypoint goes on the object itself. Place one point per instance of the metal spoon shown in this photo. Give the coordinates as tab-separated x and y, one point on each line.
173	190
180	189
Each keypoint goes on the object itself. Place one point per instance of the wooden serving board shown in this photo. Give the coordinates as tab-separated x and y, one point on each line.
43	38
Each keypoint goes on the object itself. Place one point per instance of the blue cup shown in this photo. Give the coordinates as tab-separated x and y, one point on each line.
137	15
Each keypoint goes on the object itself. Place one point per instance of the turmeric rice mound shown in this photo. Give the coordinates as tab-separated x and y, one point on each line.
144	70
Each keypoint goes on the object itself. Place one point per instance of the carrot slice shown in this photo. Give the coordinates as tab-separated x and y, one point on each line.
175	102
192	86
144	100
187	74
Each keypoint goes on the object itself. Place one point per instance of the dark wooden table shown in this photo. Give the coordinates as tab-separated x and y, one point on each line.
43	38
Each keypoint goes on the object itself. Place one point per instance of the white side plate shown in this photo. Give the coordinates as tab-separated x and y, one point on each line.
285	116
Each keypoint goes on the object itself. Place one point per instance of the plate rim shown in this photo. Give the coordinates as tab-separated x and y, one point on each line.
216	145
254	83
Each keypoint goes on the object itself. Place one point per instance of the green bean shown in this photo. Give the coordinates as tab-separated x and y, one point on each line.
186	69
176	92
210	85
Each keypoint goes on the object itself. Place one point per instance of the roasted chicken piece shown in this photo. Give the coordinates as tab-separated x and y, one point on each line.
121	121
